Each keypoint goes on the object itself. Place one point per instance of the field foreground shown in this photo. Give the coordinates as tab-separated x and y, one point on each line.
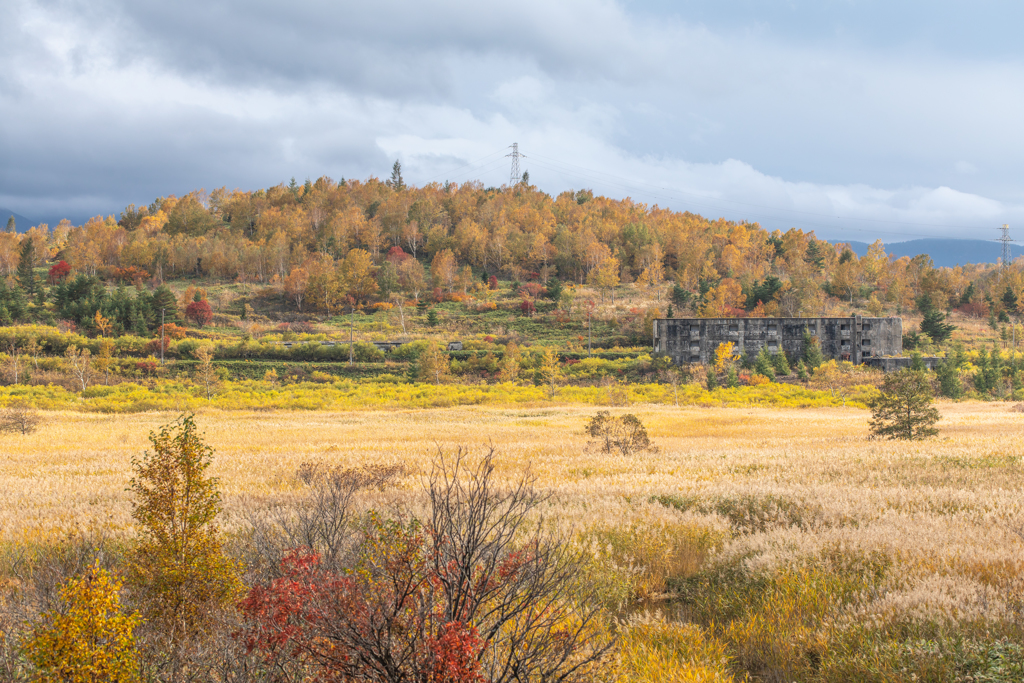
779	544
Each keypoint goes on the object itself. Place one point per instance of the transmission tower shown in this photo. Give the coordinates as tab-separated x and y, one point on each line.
1005	239
516	156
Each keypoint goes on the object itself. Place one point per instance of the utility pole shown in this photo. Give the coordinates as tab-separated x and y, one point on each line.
162	336
589	336
515	177
1005	239
351	330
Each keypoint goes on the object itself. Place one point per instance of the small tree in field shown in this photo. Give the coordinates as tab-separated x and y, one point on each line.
625	434
903	409
88	638
19	417
178	570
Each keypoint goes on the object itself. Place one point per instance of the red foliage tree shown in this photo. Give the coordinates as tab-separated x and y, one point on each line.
58	272
396	256
199	312
492	283
527	307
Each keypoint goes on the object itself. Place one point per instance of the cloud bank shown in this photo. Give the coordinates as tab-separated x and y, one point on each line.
814	118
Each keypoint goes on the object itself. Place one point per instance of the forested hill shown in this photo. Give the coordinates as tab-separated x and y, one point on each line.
326	245
945	252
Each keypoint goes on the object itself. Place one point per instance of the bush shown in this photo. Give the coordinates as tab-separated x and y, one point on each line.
469	593
625	434
87	637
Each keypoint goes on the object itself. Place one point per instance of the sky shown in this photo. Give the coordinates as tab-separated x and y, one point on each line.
858	119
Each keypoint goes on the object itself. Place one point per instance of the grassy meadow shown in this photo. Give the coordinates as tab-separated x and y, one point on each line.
761	543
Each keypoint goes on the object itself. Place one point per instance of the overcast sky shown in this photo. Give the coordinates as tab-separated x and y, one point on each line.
858	119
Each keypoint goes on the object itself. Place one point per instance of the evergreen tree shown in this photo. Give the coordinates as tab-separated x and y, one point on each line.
732	379
163	298
712	378
26	264
764	365
680	296
526	178
949	378
812	356
554	289
982	375
934	326
1010	300
968	294
801	371
916	363
780	364
432	318
11	225
396	182
903	409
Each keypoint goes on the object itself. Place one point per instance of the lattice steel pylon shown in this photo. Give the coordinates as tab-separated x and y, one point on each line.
1007	257
515	177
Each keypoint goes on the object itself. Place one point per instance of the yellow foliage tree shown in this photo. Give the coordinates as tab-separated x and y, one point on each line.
510	362
435	365
178	568
605	276
87	638
723	356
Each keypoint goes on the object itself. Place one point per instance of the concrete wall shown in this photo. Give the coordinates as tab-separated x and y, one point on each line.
694	340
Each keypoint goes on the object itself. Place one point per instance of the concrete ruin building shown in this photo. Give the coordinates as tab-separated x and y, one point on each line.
856	339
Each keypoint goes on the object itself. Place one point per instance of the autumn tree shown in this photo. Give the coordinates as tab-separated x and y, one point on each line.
605	276
358	275
206	373
177	568
199	312
295	285
625	434
903	409
434	365
87	637
510	363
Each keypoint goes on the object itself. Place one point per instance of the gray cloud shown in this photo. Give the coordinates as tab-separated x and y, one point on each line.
820	118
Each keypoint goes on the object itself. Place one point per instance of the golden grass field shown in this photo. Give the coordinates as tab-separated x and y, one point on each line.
839	539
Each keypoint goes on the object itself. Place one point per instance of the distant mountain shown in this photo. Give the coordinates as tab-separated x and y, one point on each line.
22	223
945	252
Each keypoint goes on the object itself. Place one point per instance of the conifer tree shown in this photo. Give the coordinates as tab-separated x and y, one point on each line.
12	226
812	355
903	409
764	365
26	265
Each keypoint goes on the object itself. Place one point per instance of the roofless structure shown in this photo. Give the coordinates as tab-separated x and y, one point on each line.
856	339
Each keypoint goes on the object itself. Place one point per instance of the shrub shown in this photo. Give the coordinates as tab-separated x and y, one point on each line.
903	409
87	637
625	434
467	594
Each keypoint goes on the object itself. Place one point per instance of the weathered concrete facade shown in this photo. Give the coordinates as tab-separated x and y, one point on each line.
694	340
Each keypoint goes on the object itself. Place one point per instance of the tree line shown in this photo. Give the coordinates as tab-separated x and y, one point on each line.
328	245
